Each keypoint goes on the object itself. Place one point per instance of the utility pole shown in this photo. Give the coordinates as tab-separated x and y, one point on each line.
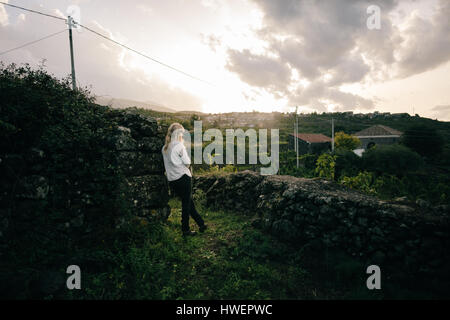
332	134
296	133
71	23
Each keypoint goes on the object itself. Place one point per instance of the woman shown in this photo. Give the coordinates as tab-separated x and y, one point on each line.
176	163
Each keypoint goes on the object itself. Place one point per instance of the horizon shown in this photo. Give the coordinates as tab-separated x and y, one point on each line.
282	112
249	50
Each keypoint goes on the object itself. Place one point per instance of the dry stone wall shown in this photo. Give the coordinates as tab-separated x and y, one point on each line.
137	147
304	211
138	144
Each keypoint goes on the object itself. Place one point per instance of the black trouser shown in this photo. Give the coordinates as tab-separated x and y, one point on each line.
183	189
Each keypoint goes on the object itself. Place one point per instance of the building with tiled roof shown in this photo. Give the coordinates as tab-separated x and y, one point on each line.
310	142
378	134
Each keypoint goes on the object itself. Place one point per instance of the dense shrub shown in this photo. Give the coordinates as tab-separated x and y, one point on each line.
326	166
288	164
425	140
58	139
347	163
363	181
346	142
393	159
388	186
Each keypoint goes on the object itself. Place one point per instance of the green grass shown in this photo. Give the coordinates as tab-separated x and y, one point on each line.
231	260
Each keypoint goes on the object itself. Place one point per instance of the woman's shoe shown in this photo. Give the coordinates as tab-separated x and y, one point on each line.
203	228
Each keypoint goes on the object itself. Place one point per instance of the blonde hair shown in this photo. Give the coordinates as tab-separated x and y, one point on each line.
170	132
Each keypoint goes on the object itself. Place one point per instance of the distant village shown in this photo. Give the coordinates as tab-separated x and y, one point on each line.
307	142
252	119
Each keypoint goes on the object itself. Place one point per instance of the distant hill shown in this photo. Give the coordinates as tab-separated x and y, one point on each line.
190	112
125	103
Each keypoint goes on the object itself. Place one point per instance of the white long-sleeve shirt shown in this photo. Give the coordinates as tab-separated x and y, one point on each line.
176	161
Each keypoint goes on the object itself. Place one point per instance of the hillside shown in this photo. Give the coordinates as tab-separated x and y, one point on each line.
126	103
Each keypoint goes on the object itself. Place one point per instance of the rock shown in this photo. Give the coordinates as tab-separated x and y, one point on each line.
362	222
443	208
150	144
123	140
33	187
422	203
4	223
284	229
431	244
78	221
378	257
147	191
402	208
133	163
324	209
139	125
50	282
403	199
289	193
298	220
377	231
354	229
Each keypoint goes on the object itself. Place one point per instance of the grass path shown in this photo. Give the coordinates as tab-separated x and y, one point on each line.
233	260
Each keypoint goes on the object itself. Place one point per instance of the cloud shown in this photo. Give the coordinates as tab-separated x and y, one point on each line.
442	112
98	63
3	15
427	43
318	95
328	44
212	41
145	8
259	70
318	41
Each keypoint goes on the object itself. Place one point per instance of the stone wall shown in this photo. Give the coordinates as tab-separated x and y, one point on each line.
61	200
138	144
301	211
136	162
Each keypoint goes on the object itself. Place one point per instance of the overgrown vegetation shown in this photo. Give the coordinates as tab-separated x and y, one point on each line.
232	260
56	141
417	168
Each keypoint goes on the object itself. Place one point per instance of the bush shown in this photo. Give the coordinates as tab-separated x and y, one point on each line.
308	160
393	159
58	135
326	166
347	163
389	186
424	140
363	182
346	142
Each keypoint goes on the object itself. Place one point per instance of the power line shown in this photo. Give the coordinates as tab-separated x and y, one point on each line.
29	10
109	39
144	55
32	42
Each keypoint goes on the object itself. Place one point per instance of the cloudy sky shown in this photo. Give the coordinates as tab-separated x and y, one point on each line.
261	55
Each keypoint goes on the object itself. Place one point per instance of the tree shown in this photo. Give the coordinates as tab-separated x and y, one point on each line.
346	141
425	140
325	166
393	159
347	163
194	117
